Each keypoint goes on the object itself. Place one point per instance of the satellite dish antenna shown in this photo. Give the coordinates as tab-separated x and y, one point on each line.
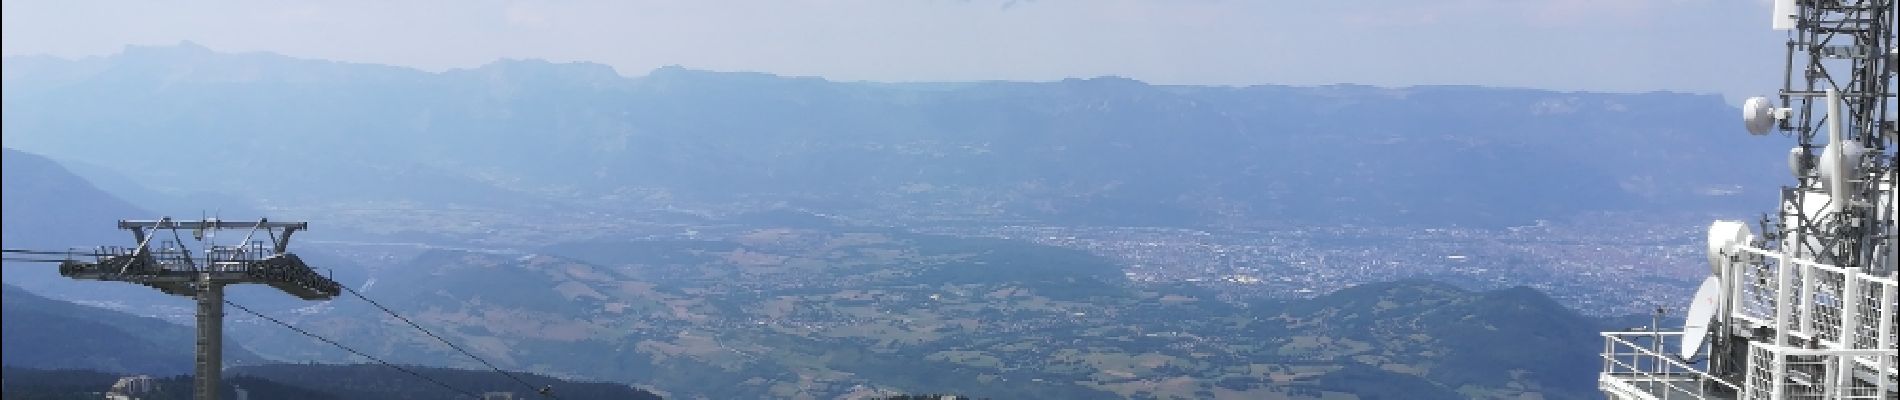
1799	161
1759	115
1724	235
1695	329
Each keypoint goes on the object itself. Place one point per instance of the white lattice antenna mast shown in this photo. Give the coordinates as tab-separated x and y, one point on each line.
1806	309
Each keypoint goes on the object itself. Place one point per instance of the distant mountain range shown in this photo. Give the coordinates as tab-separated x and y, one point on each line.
758	302
533	135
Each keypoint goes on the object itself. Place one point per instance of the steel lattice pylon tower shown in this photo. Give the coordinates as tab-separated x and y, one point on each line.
173	269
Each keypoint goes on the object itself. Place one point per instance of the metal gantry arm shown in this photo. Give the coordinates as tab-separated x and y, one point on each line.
205	284
168	223
280	243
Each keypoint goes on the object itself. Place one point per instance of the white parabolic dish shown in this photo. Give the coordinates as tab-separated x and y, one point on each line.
1695	329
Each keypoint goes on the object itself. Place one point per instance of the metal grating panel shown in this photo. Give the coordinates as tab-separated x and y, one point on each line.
1761	373
1758	289
1824	300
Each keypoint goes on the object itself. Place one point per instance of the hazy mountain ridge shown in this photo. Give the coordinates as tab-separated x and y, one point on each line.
51	334
48	208
1456	338
62	209
781	308
522	133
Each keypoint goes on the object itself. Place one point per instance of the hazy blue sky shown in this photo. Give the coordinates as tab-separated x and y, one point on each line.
1709	46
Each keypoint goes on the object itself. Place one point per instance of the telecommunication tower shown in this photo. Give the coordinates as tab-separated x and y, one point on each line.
172	268
1806	309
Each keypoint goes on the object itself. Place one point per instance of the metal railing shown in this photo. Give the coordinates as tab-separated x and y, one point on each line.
1640	365
168	256
1835	336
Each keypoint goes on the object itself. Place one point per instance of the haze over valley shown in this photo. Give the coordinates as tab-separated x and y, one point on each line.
686	233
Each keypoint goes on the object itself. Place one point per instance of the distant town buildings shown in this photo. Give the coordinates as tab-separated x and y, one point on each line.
132	388
138	386
1603	265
